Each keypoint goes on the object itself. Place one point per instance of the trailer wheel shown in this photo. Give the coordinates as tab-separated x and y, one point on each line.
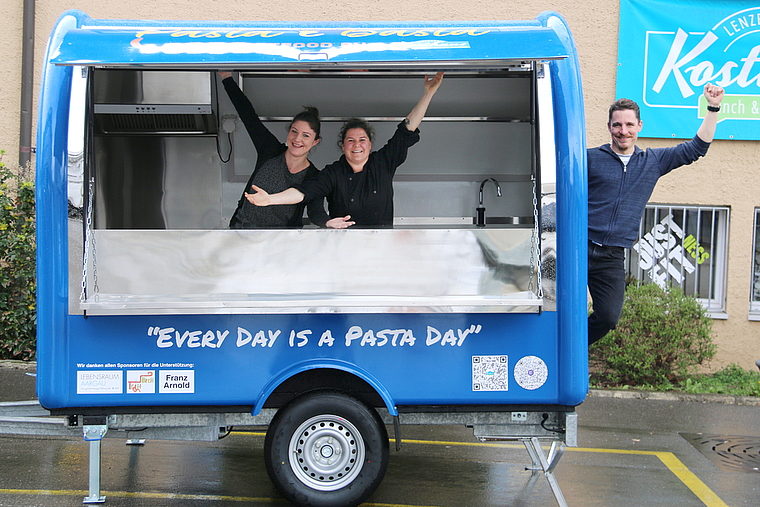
326	449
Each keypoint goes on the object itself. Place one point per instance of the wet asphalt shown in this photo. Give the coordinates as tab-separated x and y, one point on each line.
635	449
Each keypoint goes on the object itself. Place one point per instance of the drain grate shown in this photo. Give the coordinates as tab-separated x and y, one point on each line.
729	453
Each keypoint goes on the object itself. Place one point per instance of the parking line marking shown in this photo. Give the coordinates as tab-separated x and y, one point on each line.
692	482
43	492
172	496
671	462
128	494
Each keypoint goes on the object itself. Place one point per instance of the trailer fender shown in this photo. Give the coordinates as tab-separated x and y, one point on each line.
326	363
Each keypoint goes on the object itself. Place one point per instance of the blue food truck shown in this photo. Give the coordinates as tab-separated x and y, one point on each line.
154	315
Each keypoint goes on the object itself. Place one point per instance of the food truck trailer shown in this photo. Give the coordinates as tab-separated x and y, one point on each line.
156	320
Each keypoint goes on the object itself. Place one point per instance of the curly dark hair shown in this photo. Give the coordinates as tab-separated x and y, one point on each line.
355	123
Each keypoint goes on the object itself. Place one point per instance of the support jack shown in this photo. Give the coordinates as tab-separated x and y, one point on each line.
546	464
94	434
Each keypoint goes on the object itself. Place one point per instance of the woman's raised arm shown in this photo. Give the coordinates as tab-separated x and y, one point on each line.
418	112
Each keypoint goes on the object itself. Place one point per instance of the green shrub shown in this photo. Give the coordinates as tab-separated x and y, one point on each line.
18	284
661	338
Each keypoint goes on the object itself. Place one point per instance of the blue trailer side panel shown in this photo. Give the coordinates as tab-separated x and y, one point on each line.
238	359
419	359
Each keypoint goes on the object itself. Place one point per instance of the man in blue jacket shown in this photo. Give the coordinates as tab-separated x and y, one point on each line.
621	178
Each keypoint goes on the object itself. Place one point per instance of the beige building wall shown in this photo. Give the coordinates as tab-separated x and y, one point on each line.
725	177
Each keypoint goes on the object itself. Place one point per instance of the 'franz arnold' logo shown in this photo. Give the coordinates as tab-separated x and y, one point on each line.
725	55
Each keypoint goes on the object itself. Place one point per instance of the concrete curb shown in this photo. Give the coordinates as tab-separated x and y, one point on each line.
17	364
725	399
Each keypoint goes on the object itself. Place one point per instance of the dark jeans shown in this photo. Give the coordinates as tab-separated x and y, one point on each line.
606	283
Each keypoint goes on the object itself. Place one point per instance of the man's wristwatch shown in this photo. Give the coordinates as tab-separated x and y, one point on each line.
714	109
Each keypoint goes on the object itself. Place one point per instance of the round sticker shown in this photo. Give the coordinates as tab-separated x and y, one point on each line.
531	372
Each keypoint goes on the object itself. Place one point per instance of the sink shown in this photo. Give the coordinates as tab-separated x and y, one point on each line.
507	220
460	222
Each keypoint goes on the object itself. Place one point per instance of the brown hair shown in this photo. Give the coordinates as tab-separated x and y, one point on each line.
310	115
355	123
622	104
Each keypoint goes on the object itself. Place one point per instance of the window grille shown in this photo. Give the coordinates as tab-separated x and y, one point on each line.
754	299
684	246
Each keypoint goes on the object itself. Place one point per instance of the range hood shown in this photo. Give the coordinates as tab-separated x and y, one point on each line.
128	101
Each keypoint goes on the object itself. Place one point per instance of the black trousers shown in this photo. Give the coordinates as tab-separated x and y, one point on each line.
606	283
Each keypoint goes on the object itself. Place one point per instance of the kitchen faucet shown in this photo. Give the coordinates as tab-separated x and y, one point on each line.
480	221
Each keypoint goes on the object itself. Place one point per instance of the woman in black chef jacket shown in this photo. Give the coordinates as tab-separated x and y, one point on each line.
278	166
359	186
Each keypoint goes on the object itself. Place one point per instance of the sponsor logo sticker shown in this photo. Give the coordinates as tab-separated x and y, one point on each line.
100	382
176	381
141	381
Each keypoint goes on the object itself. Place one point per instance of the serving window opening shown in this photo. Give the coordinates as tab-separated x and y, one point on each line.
163	173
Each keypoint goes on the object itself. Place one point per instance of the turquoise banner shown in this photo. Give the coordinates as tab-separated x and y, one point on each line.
669	49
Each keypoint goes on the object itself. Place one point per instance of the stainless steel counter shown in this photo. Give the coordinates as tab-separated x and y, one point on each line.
407	269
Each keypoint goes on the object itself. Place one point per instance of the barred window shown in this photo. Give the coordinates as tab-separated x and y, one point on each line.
754	299
685	246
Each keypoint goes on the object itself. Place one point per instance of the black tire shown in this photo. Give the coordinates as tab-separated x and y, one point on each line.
326	449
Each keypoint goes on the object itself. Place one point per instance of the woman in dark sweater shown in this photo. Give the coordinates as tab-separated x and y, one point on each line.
279	165
359	186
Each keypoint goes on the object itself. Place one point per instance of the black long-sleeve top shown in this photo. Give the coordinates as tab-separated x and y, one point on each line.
367	195
267	147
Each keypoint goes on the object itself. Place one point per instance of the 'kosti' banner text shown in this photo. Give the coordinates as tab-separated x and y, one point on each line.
669	49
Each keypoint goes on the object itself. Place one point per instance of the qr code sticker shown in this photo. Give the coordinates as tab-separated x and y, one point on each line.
490	373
